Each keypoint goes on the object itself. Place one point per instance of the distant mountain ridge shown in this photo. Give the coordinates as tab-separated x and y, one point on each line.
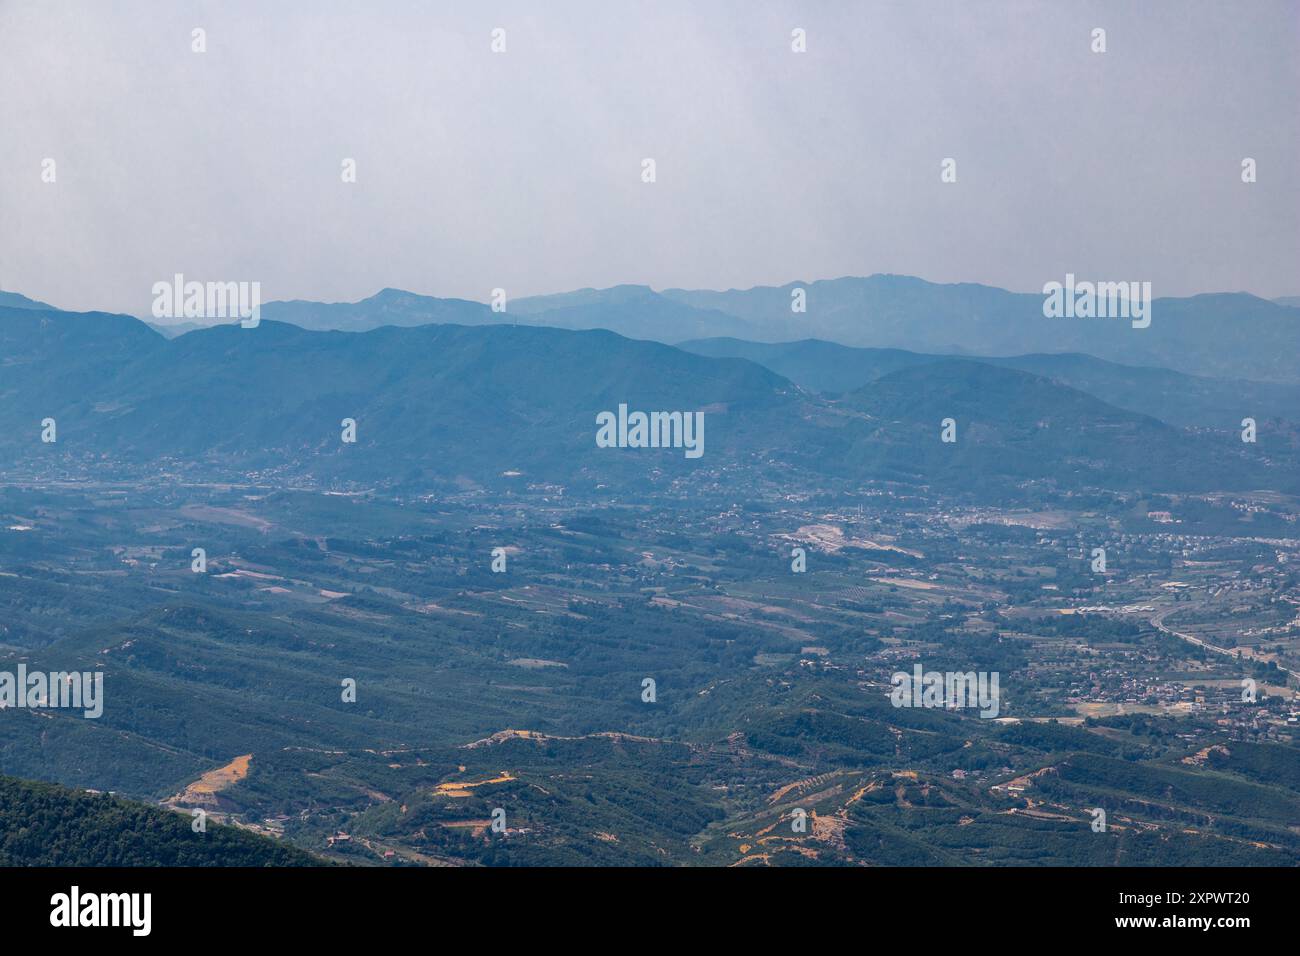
12	300
637	312
1234	335
386	307
474	404
633	311
1170	396
1008	424
1224	335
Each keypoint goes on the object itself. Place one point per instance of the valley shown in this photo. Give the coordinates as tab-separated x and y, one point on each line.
523	690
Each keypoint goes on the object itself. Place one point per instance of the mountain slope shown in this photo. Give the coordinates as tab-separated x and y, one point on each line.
436	399
1013	427
1173	397
630	310
477	404
1228	335
387	307
634	311
51	362
814	363
43	824
12	300
1222	334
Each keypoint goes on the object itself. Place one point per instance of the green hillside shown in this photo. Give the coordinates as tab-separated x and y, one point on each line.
43	824
455	404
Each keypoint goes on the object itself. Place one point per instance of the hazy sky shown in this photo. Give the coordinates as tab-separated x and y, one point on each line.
523	170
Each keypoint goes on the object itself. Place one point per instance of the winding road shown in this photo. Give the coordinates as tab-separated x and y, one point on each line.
1158	622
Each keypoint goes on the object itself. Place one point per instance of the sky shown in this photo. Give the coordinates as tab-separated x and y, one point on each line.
522	170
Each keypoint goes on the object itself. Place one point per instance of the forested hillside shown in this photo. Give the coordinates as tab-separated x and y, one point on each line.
42	824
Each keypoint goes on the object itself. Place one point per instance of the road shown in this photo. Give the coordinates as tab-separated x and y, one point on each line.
1158	621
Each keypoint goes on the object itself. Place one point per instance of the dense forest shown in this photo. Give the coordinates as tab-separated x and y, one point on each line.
42	824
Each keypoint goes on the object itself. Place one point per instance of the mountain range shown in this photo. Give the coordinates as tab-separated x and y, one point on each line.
482	405
1227	335
12	300
1221	334
1185	400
